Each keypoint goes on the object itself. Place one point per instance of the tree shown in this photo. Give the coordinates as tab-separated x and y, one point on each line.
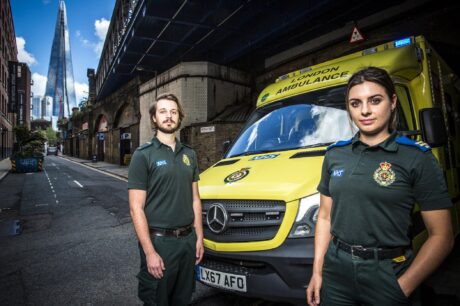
51	135
29	143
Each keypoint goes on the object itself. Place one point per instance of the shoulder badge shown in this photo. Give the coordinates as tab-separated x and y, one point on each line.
340	143
409	142
145	145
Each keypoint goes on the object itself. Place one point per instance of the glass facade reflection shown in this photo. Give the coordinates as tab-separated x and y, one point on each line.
60	85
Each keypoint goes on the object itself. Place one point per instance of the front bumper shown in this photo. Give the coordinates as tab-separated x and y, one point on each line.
280	274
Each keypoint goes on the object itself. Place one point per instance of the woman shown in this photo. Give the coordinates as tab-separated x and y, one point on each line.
368	187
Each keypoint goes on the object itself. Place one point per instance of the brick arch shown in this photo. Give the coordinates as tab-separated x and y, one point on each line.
98	120
125	116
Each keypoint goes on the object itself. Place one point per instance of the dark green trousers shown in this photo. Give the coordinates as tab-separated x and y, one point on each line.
178	282
355	281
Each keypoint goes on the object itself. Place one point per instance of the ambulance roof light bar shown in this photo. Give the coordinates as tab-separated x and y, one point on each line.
402	42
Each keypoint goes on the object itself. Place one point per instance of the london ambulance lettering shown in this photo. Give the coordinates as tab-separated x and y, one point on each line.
326	74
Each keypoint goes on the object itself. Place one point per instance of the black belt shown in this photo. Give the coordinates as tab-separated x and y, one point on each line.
368	253
178	232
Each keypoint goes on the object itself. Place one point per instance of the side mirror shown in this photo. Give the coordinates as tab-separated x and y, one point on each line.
433	127
225	146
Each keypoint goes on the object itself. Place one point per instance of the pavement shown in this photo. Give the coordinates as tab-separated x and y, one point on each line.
117	170
5	166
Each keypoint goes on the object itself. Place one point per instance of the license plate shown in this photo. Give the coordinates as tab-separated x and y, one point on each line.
219	279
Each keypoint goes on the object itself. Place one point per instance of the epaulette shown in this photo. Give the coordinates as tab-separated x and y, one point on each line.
409	142
340	143
145	145
187	146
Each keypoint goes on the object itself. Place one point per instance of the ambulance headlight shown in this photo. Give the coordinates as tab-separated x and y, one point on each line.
307	215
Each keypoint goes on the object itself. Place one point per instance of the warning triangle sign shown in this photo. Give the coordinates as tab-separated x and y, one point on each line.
356	36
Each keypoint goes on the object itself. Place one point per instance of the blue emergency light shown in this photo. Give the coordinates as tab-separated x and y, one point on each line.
403	42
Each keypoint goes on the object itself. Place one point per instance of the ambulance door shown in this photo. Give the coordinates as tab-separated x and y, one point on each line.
407	127
446	97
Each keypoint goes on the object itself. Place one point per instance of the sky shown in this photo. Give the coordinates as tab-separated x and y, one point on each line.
34	24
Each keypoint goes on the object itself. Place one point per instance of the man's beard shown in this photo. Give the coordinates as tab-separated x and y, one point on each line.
168	130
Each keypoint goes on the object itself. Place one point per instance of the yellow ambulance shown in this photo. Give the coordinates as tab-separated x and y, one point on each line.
260	201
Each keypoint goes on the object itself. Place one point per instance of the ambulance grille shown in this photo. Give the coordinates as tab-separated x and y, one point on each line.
247	220
228	267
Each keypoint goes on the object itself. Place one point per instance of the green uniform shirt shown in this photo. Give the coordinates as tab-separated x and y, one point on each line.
167	177
374	189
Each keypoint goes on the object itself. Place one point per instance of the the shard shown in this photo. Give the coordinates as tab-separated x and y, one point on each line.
60	88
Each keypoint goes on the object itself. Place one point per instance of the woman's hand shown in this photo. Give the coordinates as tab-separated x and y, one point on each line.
313	290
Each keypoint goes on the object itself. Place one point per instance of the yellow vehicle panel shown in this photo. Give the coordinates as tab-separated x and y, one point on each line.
279	178
400	62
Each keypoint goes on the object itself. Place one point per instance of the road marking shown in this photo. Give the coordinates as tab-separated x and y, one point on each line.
53	164
51	186
45	204
76	182
100	171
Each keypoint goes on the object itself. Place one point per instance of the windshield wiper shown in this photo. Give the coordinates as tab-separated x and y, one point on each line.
280	149
317	145
252	153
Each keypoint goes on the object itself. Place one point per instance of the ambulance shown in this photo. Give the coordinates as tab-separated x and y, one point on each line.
260	202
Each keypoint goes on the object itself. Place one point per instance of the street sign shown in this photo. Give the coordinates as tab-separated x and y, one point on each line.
356	36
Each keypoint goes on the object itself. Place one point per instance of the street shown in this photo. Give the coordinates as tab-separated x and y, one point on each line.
77	246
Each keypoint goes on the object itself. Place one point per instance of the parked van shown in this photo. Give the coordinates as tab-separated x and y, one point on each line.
260	202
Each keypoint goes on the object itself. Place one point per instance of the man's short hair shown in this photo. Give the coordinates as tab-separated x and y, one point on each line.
166	96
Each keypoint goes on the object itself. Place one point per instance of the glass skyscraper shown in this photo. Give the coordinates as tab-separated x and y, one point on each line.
60	88
36	107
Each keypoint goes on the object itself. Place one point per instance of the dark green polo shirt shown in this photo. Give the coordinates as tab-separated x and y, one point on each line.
374	189
167	177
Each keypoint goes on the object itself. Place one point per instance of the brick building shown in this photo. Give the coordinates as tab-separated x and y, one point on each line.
8	53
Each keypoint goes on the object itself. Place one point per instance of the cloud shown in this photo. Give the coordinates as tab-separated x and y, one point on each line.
23	55
45	2
101	27
81	91
39	86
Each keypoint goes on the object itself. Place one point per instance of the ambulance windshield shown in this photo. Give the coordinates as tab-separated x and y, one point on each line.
309	120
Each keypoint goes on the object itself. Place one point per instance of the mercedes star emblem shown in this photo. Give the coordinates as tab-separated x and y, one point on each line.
217	218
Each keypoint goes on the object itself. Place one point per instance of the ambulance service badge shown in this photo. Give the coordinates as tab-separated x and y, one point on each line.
237	175
384	175
186	160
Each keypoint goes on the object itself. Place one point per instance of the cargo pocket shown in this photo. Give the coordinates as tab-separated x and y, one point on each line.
147	290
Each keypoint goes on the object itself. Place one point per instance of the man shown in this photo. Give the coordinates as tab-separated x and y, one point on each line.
166	209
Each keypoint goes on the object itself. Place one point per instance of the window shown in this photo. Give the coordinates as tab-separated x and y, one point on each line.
406	117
